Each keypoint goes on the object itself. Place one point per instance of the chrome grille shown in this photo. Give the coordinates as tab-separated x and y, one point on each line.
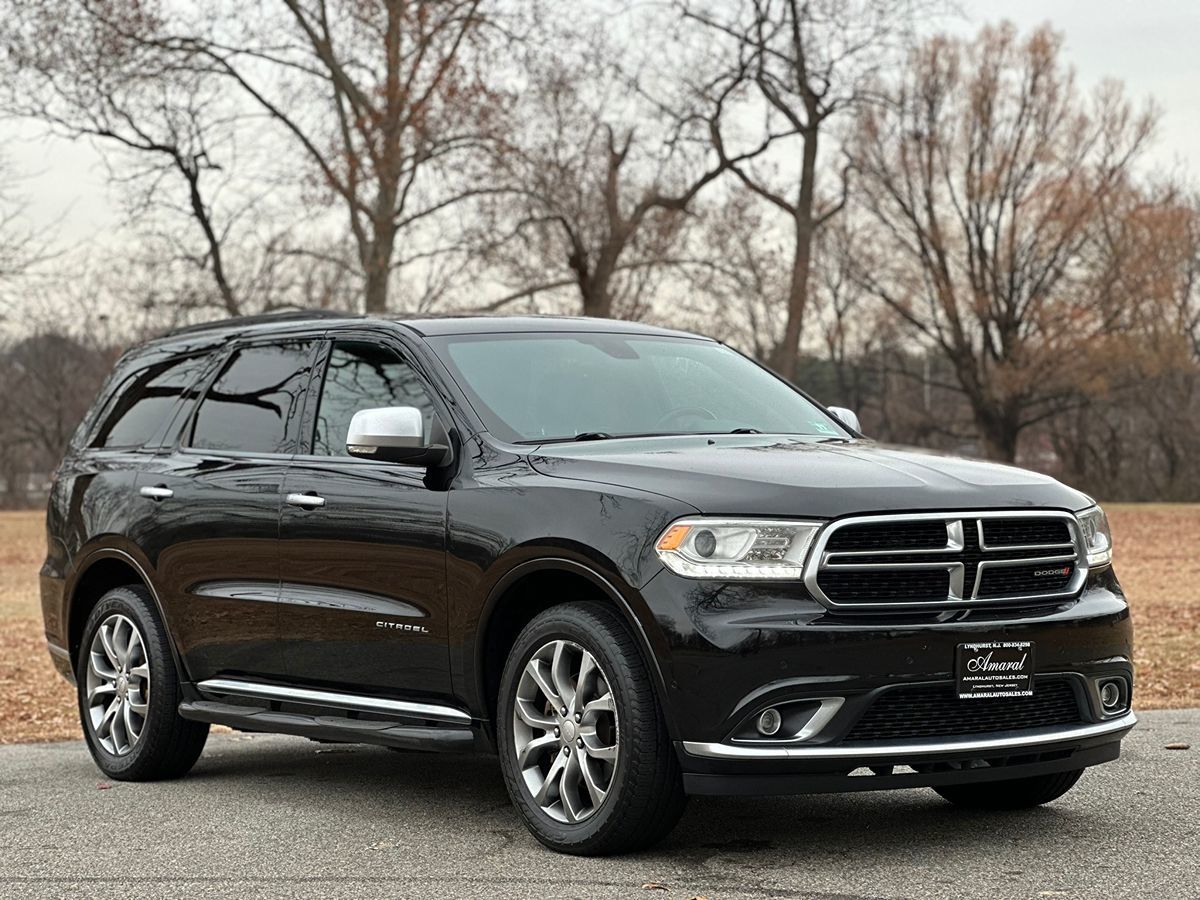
932	560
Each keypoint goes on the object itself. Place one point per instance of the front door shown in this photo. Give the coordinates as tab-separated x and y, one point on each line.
363	543
213	537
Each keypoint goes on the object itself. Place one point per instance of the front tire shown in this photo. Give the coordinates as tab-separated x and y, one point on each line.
583	746
1016	793
128	692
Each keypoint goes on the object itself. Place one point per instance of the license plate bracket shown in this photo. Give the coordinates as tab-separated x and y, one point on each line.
994	669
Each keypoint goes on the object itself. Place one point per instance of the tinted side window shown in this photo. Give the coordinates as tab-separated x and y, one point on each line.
363	376
250	403
144	401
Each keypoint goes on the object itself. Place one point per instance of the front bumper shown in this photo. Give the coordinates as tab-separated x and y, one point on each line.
721	769
734	650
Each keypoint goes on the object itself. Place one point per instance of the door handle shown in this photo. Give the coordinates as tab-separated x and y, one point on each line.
156	493
305	501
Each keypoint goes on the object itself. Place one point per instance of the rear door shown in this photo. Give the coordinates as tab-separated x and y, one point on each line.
213	536
363	602
95	493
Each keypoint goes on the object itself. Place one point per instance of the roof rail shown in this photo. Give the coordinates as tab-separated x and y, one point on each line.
287	315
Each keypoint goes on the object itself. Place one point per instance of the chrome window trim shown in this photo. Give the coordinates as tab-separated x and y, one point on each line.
819	558
914	750
232	687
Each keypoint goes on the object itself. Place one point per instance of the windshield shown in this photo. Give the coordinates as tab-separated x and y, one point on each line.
549	387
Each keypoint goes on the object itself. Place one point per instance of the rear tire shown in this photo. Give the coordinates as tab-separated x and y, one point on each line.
1016	793
128	691
607	772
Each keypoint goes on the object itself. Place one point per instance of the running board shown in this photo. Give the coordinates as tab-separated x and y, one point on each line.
229	687
338	729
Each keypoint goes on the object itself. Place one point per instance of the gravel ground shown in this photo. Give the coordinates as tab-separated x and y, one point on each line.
282	817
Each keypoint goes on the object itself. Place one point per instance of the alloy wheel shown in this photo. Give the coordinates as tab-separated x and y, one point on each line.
565	731
118	685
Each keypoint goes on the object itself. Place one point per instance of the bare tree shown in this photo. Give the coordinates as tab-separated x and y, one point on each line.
162	126
738	268
601	175
383	100
808	61
1135	435
984	177
386	99
22	247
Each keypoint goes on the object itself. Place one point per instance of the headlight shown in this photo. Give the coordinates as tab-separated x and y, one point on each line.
736	548
1097	539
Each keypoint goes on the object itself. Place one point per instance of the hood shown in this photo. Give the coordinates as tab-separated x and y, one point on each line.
769	475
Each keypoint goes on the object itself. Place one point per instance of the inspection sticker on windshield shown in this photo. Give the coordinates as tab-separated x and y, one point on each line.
994	669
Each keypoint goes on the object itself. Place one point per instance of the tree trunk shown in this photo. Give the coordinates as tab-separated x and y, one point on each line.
998	432
596	286
788	358
597	303
377	269
789	351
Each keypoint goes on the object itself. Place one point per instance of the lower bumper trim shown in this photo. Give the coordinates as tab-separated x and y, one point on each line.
916	750
928	775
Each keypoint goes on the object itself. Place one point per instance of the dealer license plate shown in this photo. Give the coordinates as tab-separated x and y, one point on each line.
994	669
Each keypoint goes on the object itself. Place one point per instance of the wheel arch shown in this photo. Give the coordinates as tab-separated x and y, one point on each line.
513	602
100	571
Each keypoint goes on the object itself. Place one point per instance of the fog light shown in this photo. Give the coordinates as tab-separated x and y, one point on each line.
769	721
1111	696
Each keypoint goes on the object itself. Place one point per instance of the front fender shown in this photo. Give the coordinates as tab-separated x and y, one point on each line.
502	532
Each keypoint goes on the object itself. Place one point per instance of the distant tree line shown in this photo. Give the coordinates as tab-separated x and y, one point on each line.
947	233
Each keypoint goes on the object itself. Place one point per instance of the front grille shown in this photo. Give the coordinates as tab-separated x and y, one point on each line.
903	586
929	560
914	713
1015	581
1025	532
888	536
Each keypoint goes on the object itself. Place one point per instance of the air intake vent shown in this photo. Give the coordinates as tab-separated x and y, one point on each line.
913	713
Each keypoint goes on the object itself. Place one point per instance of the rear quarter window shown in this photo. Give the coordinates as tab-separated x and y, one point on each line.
145	402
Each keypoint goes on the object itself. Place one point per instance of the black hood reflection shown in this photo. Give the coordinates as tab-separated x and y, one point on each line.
768	475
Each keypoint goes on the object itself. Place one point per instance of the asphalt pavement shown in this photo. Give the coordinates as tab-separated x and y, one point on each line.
282	817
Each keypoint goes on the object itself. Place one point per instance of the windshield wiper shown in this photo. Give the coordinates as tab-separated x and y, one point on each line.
607	436
745	431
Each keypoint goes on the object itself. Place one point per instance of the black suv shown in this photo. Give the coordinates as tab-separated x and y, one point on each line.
631	561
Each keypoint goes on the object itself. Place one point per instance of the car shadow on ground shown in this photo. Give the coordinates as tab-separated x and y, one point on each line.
385	783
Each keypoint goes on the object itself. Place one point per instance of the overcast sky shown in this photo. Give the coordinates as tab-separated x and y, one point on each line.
1151	45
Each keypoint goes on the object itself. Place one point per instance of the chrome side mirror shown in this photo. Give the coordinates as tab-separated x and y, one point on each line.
397	434
847	417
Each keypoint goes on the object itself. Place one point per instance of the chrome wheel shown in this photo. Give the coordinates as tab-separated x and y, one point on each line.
118	685
565	731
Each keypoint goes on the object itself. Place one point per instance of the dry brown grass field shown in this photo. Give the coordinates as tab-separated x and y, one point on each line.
1157	561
